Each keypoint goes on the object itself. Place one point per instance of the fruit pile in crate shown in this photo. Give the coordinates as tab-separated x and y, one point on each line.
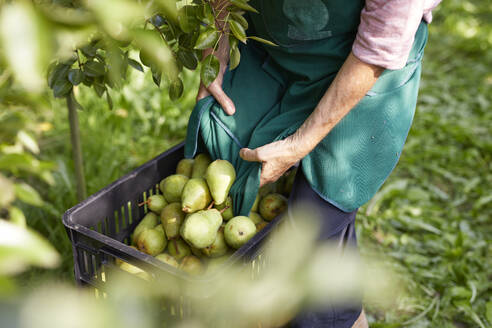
191	225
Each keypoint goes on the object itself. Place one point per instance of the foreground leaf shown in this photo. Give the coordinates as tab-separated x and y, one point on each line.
27	194
21	248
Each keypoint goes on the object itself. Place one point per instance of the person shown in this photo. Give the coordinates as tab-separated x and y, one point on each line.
337	94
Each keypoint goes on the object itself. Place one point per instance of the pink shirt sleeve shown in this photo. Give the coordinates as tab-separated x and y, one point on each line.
387	28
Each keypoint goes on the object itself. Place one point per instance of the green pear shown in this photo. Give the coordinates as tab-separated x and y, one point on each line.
218	247
172	217
118	261
172	187
152	241
192	265
255	217
214	217
289	181
279	184
198	230
196	251
226	209
238	231
261	225
155	203
185	167
272	205
200	165
160	228
178	249
168	259
220	176
266	189
256	203
125	266
149	221
196	195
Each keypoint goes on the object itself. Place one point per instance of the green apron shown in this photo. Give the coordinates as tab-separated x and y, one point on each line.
275	89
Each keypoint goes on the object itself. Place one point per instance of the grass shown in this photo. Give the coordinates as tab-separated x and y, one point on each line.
431	222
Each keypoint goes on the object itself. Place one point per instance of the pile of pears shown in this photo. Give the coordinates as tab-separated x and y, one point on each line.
191	225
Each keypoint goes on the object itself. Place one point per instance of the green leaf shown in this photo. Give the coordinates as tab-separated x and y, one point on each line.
238	30
207	39
75	76
89	50
17	216
88	81
168	9
8	193
240	19
187	20
56	72
210	69
160	54
94	68
26	43
28	141
21	247
243	5
176	89
135	64
109	100
207	16
270	43
144	58
27	194
99	88
188	40
62	87
156	77
234	57
488	311
188	58
74	101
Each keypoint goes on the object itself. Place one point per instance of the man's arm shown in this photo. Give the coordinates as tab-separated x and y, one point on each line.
351	84
222	53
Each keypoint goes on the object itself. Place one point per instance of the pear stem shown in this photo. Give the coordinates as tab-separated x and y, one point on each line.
224	209
211	204
143	203
176	246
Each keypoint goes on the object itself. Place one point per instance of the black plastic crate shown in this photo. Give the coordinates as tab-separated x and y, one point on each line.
100	227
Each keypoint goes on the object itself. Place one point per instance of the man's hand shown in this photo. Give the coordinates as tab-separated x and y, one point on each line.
350	85
276	158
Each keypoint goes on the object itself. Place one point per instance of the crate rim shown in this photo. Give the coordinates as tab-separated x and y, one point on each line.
67	216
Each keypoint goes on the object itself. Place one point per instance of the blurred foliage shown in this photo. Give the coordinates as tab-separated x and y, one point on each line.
294	270
88	42
20	169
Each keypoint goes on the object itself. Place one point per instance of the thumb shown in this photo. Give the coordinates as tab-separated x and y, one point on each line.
250	155
222	98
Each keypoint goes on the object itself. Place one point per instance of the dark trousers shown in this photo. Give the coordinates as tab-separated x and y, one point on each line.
336	226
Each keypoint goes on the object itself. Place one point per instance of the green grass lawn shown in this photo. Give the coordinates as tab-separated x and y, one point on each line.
432	220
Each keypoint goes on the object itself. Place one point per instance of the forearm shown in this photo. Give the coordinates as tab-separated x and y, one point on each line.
351	84
219	8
